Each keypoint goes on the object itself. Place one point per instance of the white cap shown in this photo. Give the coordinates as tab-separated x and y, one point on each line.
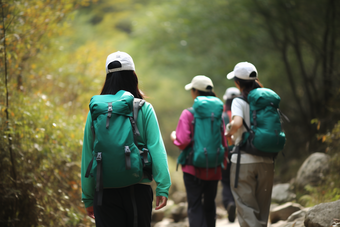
244	71
200	82
124	59
231	92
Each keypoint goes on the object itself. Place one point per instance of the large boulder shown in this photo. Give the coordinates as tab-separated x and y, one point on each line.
295	220
323	215
281	193
313	170
284	211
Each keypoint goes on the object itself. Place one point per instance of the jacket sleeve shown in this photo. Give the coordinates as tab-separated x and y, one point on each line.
183	130
154	142
87	184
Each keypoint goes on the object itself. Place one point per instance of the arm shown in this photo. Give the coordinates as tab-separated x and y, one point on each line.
157	150
236	123
237	117
87	184
183	130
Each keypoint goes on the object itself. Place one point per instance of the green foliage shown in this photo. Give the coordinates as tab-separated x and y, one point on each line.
46	144
329	190
41	126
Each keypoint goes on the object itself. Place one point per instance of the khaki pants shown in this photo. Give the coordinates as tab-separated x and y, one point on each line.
253	193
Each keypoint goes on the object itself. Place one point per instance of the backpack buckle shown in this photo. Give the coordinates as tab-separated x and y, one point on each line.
127	151
127	157
145	155
99	156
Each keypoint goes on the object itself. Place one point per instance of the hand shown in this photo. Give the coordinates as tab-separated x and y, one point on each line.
160	202
90	212
173	136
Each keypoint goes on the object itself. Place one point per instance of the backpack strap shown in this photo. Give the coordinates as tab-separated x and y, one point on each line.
137	105
212	118
238	151
109	113
89	167
99	184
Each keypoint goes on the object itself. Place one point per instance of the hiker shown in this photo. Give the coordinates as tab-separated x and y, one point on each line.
203	150
227	196
112	199
253	191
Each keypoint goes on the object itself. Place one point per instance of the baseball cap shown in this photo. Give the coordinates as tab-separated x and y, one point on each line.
231	92
124	59
200	82
244	71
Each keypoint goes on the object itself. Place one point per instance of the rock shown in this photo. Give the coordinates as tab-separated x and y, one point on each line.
273	206
298	215
179	212
157	215
295	220
179	197
323	215
221	212
282	194
279	224
165	212
169	223
284	211
336	222
313	170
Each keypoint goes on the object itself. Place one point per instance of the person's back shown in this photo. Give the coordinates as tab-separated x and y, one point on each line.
252	189
123	205
201	180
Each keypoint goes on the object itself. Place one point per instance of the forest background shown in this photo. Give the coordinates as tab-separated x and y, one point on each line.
52	63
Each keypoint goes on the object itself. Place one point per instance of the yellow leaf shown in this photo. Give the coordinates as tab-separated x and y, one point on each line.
323	138
318	125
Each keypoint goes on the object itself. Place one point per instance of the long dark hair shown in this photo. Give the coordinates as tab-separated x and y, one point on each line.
205	93
126	80
247	85
228	103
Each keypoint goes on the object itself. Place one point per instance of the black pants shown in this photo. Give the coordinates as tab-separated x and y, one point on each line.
226	190
201	201
117	207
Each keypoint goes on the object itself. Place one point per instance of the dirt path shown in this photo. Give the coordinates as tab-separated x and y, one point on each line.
225	223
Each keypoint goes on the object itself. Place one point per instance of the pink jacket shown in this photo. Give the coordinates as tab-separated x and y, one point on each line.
183	139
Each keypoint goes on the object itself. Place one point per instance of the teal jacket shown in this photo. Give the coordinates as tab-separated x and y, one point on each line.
150	134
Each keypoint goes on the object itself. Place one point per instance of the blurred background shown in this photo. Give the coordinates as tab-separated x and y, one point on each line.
52	62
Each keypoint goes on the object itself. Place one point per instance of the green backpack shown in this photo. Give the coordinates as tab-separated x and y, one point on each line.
117	161
265	136
206	149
